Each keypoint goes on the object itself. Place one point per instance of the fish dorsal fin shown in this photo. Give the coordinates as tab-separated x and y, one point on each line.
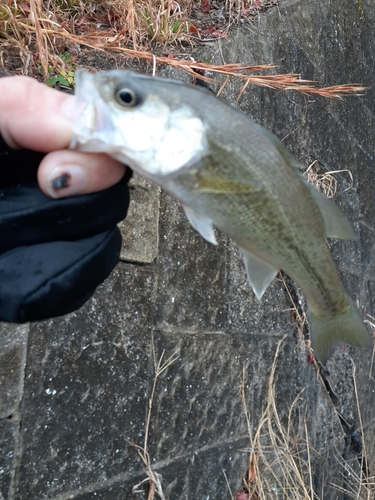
201	224
287	157
336	223
259	273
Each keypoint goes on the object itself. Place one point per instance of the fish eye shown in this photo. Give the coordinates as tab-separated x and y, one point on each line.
127	97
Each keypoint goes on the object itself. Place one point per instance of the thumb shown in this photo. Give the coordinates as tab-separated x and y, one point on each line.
34	116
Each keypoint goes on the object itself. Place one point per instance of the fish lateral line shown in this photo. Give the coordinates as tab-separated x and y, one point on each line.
221	185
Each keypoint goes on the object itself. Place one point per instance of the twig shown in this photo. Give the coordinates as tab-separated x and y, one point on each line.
228	485
364	454
372	325
153	478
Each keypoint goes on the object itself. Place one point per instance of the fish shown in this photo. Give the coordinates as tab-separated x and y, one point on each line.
230	173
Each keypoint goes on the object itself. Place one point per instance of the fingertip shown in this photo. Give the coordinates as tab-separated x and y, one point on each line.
67	180
68	173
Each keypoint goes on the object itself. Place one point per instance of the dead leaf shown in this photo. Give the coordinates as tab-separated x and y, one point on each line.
205	6
220	34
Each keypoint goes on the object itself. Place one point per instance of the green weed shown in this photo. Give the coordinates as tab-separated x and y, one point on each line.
65	77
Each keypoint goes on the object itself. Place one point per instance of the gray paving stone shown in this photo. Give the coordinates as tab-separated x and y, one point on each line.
192	279
13	345
140	229
8	441
86	389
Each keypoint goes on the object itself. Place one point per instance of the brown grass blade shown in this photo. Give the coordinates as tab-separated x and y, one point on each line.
35	9
283	81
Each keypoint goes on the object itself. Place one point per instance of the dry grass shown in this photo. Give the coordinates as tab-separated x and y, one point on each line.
358	485
39	31
153	478
164	22
42	29
281	456
325	182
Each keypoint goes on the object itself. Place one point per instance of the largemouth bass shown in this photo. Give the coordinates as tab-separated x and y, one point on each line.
230	173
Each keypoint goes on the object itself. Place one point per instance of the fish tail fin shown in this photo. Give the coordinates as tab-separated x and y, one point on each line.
327	333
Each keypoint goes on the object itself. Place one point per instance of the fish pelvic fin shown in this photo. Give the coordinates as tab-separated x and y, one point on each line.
259	273
327	333
201	224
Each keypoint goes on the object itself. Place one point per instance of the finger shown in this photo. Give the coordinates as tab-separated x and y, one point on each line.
66	173
34	116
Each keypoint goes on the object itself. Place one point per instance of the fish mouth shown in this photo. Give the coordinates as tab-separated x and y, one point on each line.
85	95
92	114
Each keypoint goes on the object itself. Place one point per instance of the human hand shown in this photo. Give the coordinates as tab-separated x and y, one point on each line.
36	117
53	252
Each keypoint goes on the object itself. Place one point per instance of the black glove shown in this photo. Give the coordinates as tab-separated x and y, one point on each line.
53	253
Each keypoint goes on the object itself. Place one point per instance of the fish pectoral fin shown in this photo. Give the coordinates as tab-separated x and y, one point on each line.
201	224
336	223
259	273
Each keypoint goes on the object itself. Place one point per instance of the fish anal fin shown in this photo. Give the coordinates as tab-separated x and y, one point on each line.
201	224
336	223
259	273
